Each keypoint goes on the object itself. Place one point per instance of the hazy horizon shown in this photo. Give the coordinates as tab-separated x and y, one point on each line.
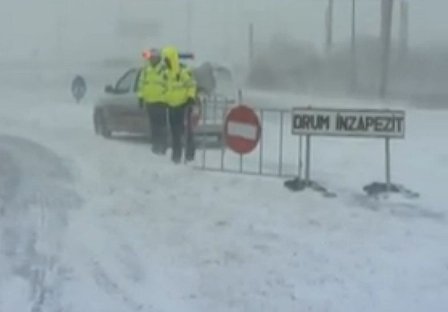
95	29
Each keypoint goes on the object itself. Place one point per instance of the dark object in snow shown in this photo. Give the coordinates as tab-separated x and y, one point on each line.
79	88
297	185
374	189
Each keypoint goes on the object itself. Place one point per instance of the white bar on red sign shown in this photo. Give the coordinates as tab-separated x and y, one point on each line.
242	130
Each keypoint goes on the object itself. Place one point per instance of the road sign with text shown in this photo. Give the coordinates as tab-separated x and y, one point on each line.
348	122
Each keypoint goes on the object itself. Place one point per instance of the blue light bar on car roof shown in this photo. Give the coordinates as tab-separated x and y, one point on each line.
186	55
182	55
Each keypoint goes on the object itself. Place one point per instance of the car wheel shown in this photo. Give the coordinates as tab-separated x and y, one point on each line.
96	121
101	125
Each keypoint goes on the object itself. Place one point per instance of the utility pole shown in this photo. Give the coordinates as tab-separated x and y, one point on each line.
61	23
354	73
404	27
189	4
251	43
329	25
386	29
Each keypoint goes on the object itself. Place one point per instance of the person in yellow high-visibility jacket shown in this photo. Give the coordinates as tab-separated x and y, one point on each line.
152	93
181	96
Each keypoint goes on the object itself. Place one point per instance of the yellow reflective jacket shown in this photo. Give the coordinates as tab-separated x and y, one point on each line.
181	84
153	84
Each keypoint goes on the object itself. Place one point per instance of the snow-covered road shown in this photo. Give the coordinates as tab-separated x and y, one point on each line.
89	224
36	198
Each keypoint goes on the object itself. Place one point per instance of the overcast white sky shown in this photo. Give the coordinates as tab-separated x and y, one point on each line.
84	29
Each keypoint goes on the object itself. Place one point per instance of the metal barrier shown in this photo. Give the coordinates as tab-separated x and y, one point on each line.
277	154
276	150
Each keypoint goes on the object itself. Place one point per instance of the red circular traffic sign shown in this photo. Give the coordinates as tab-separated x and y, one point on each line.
242	129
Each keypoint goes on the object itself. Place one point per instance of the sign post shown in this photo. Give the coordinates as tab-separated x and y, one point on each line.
79	88
240	102
367	123
388	165
308	160
299	161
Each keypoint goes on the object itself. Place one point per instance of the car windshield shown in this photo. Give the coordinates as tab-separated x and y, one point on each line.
128	82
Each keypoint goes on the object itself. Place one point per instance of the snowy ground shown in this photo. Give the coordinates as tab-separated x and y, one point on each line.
89	224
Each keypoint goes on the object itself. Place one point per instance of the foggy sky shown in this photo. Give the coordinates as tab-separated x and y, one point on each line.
89	29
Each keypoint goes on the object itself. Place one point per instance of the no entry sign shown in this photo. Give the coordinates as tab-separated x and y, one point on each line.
242	129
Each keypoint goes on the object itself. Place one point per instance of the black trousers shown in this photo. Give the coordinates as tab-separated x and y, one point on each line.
178	118
189	140
158	126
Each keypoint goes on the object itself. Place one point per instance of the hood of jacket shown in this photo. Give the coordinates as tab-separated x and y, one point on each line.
172	55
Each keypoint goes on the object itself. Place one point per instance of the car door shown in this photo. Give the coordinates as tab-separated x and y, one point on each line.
122	103
124	93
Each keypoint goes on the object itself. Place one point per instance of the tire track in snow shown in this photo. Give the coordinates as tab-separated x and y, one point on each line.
35	199
9	179
105	282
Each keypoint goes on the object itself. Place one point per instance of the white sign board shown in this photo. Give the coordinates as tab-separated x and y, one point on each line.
348	122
